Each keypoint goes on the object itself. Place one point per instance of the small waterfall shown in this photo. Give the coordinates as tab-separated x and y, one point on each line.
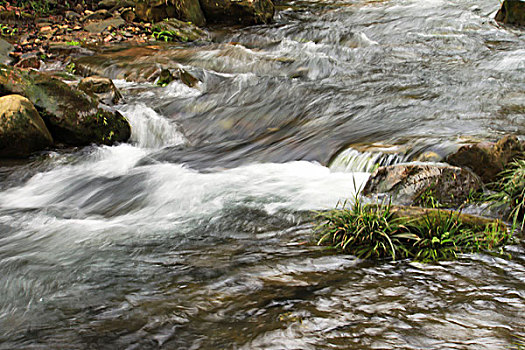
149	129
351	160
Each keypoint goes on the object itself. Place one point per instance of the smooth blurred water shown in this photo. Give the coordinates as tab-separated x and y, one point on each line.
197	234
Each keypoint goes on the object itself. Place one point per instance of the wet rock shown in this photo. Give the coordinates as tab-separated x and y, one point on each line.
241	11
186	78
181	31
22	130
300	72
512	12
487	160
5	49
71	115
414	184
29	60
103	88
100	26
165	77
158	10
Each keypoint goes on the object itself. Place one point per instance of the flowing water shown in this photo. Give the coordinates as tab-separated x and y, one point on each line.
197	234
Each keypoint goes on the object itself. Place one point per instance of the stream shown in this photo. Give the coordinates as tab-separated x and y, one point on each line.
198	234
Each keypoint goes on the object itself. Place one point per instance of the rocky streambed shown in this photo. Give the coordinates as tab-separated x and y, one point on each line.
191	228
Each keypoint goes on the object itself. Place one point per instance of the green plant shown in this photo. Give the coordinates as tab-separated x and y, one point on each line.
5	30
427	199
519	343
42	7
443	235
168	35
363	230
73	43
375	231
71	68
510	193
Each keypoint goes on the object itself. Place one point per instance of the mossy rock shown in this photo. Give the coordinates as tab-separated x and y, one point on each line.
180	31
72	117
22	130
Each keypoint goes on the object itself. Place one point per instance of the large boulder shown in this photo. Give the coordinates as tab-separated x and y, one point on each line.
102	88
512	12
158	10
238	11
487	159
22	130
423	184
72	117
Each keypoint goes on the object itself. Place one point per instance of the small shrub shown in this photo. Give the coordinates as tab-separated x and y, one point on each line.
374	231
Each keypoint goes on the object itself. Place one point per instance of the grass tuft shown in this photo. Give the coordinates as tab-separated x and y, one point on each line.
375	231
510	193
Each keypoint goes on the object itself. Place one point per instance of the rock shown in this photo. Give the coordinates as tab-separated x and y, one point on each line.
107	4
190	10
181	31
154	11
512	12
5	49
98	15
487	160
65	50
72	16
101	87
128	15
158	10
100	26
22	130
419	183
165	77
238	11
187	78
420	214
71	115
29	60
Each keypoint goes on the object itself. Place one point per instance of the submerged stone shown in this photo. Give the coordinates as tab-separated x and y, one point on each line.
22	130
